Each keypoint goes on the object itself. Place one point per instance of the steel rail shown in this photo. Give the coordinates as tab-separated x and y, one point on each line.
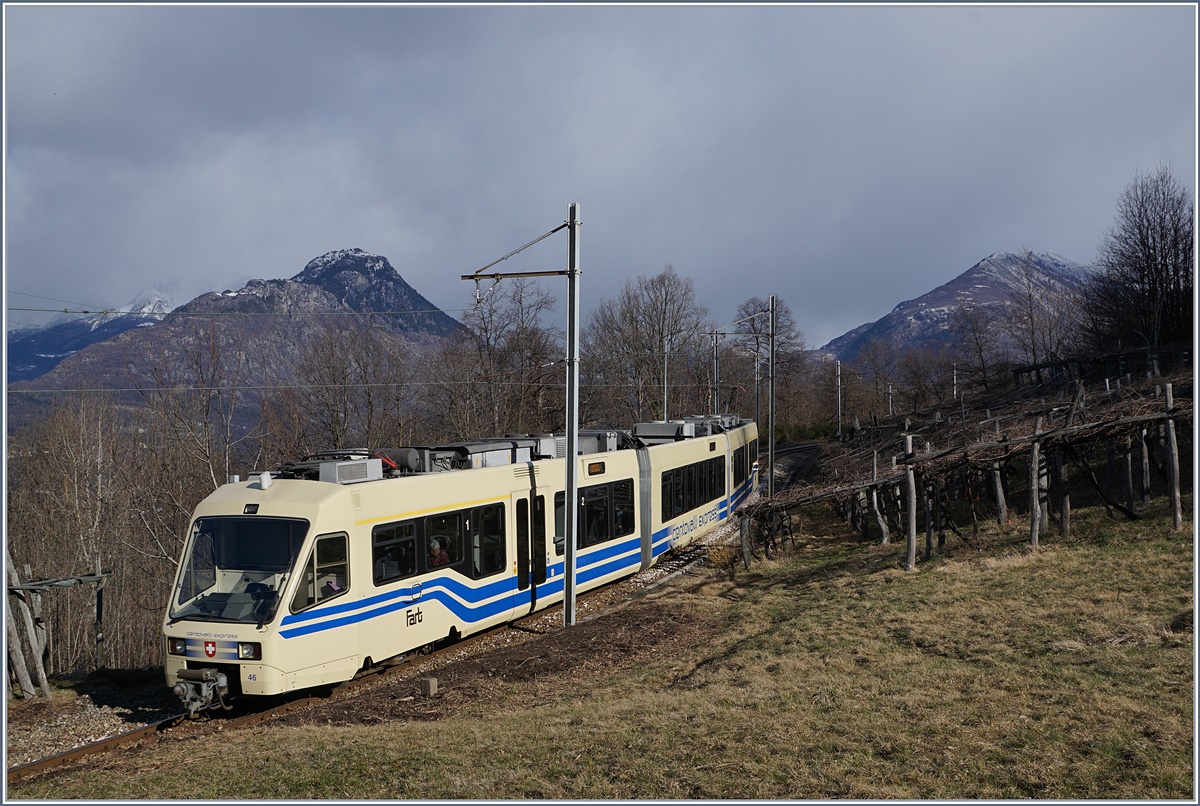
386	667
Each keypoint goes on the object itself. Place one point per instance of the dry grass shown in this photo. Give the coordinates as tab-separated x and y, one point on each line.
991	672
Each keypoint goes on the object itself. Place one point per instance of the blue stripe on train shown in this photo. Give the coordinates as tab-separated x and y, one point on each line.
591	566
476	608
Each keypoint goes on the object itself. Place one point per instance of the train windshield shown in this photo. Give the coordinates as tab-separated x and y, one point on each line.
234	569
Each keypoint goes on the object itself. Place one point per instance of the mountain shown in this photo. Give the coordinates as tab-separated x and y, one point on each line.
365	282
33	352
259	332
992	282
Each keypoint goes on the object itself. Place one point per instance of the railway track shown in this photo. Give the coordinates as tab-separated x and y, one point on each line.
417	663
667	567
225	722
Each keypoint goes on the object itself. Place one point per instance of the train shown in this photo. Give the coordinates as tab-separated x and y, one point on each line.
301	577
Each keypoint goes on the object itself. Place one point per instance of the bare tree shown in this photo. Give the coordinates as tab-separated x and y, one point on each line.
505	373
751	350
195	394
655	326
351	387
878	361
1041	316
1143	294
977	332
924	374
71	480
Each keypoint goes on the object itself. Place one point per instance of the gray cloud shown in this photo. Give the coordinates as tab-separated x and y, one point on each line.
844	159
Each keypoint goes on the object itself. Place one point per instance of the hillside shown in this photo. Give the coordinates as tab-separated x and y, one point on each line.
259	331
33	352
990	673
927	320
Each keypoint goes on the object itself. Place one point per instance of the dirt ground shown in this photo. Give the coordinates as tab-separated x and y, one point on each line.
538	657
528	671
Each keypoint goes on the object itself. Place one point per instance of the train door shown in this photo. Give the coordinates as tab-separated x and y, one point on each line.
531	547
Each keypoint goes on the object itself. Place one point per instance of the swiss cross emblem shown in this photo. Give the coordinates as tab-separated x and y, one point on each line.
210	648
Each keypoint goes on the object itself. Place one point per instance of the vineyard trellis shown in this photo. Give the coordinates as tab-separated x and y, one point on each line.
26	599
1058	442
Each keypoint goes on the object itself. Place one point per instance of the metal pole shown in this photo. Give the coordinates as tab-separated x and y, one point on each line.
570	516
571	494
757	383
716	395
771	407
839	397
664	377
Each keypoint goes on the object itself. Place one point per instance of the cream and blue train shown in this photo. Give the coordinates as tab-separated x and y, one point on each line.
304	576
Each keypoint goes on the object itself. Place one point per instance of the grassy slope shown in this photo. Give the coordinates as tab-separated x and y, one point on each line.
988	673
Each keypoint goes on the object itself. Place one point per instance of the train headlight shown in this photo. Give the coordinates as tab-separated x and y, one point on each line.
176	646
249	651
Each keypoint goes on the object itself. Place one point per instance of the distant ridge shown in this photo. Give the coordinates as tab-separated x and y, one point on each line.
261	330
926	320
34	352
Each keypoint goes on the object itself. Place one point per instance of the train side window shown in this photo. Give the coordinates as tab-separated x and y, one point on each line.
623	504
326	573
444	540
393	551
665	495
488	555
594	518
560	520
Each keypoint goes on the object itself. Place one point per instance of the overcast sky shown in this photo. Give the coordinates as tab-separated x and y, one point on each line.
842	158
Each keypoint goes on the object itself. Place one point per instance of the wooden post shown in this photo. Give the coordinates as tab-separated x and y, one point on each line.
1035	505
30	630
1129	471
99	625
1064	495
1044	489
1001	504
910	561
1145	466
928	519
17	659
35	602
884	537
939	505
744	534
861	505
1173	464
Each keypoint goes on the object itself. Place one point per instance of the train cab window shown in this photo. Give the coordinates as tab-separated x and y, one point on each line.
443	540
393	551
486	528
326	573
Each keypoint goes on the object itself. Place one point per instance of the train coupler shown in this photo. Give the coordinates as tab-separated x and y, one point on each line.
201	689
